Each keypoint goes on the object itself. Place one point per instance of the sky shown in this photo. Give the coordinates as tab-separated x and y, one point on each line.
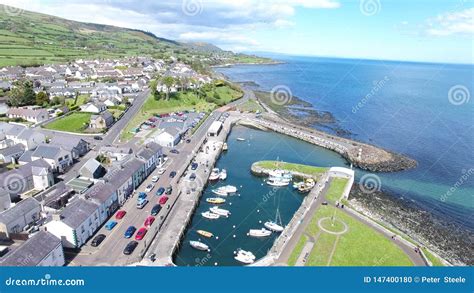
412	30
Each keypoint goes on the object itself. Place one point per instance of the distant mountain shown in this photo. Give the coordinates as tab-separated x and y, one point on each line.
33	38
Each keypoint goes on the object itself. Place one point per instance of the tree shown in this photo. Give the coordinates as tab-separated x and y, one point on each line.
42	99
168	81
22	94
153	86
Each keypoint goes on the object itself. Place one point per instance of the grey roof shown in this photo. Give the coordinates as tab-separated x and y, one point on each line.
19	210
15	130
47	151
106	115
21	173
68	142
53	193
15	149
120	175
33	251
112	149
150	150
77	212
90	167
28	132
100	191
26	157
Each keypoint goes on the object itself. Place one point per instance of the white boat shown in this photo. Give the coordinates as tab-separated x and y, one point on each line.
223	174
225	190
277	182
259	232
247	253
225	147
273	226
280	174
214	174
240	139
219	211
244	259
199	245
210	216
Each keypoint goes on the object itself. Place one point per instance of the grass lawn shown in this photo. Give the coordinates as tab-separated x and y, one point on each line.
81	100
335	190
250	106
310	170
434	260
75	122
359	246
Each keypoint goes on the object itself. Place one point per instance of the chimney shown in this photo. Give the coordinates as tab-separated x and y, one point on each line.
56	217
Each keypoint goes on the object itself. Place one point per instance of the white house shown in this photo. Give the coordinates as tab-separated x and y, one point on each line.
28	114
28	137
169	137
77	222
152	154
58	158
43	249
94	107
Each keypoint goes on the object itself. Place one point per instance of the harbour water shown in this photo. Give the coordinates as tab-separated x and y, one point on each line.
401	106
257	203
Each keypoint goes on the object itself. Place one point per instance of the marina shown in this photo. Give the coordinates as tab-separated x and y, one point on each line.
259	212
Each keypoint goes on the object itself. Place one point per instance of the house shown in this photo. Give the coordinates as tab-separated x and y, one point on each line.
170	137
28	114
42	250
15	219
58	158
29	138
11	154
152	154
76	223
105	196
94	107
77	146
115	153
92	169
33	175
126	178
102	121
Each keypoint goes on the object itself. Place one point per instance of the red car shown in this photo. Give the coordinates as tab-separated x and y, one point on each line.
163	200
141	233
149	221
120	214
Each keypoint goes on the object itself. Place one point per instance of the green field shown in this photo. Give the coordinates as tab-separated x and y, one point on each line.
359	246
309	170
336	189
75	122
250	106
179	102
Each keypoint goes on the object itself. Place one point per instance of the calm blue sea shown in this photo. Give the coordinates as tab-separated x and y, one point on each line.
419	109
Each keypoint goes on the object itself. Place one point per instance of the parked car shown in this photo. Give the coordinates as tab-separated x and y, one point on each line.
98	138
149	221
188	140
324	203
160	191
120	214
142	195
155	210
110	225
130	231
161	171
192	177
149	187
141	233
142	203
194	166
169	190
174	151
172	174
130	247
152	257
163	200
155	179
97	240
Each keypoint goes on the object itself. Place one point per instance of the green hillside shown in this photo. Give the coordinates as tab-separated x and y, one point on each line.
33	38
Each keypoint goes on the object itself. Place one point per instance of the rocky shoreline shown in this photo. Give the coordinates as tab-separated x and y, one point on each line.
447	239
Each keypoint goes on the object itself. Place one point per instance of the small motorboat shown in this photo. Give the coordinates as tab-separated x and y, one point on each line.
259	232
225	147
220	192
306	186
205	233
220	212
273	226
215	200
277	182
215	174
210	216
280	174
225	190
244	256
199	245
223	174
240	139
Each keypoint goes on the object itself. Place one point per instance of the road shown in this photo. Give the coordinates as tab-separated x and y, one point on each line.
110	251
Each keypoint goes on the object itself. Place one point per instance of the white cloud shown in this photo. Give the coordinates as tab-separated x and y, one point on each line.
460	22
226	23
